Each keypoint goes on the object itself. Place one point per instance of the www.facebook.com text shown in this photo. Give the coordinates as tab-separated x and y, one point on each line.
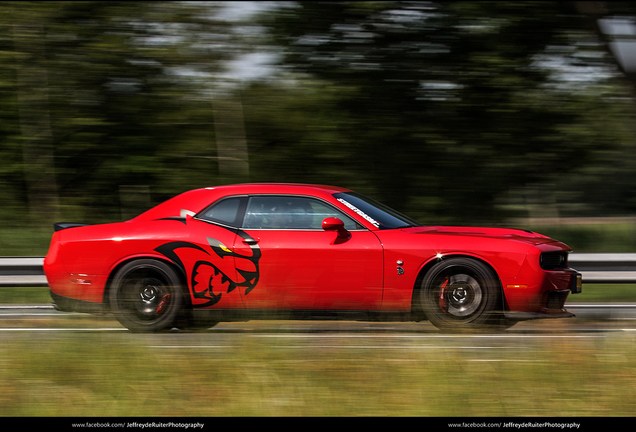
516	425
139	425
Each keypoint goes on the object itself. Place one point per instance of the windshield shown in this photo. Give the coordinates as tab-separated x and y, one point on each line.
378	214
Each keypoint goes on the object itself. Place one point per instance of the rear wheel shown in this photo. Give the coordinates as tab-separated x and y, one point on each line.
146	296
462	294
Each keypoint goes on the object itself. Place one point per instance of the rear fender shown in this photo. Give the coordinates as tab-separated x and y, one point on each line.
177	270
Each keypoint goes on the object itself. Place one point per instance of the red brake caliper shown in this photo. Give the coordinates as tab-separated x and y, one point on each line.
162	304
442	297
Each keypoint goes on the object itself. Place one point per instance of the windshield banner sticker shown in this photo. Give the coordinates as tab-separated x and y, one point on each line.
360	212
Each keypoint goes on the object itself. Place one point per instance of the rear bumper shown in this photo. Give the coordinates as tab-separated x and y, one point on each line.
67	304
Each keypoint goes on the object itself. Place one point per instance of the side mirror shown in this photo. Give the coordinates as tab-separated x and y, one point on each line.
335	224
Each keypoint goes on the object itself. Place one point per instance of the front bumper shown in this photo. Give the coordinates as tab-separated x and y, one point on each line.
525	316
577	283
541	295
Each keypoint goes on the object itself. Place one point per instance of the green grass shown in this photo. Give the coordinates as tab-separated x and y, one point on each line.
605	293
25	241
117	374
614	237
24	295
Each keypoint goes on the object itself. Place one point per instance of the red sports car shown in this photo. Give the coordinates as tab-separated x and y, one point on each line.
258	251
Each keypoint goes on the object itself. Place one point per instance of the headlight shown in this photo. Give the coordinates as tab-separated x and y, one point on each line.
553	260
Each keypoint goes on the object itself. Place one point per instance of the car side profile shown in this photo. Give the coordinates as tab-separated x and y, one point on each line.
259	251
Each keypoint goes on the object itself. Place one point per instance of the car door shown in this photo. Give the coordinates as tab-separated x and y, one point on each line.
303	266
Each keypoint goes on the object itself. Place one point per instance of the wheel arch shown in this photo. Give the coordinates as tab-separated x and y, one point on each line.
178	271
416	308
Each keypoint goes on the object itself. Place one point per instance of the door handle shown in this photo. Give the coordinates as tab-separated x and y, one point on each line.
251	241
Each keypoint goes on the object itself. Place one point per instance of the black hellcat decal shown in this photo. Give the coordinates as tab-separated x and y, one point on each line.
216	269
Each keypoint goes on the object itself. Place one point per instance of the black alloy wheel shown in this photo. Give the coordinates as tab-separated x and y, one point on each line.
462	294
146	296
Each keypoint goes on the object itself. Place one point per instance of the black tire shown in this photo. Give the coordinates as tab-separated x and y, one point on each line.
462	294
146	296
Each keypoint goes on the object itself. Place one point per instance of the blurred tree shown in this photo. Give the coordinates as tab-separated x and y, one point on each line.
450	111
295	134
607	187
34	117
116	92
449	105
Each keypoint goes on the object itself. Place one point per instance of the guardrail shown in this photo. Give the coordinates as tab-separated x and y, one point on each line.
595	267
22	271
606	268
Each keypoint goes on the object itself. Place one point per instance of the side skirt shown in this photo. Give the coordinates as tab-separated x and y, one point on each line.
226	315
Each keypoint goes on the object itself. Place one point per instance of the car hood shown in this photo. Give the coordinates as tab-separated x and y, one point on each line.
493	233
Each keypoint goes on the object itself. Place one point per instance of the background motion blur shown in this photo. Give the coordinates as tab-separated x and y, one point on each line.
452	112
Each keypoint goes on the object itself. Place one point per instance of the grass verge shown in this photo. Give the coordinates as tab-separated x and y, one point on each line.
107	374
607	237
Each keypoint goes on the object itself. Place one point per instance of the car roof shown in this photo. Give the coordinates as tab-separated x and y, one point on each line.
198	199
277	188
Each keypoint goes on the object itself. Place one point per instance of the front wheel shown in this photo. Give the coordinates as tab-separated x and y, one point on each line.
146	296
462	294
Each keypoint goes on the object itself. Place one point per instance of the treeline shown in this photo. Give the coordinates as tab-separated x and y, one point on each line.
454	112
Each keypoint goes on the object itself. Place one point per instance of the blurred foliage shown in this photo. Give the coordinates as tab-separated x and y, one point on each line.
116	112
451	106
607	235
454	112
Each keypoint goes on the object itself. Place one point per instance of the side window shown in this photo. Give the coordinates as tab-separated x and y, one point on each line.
282	212
228	211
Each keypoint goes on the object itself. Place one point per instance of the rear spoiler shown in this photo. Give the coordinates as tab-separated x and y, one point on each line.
64	225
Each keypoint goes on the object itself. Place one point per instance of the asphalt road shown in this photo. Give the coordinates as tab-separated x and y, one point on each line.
525	342
44	318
